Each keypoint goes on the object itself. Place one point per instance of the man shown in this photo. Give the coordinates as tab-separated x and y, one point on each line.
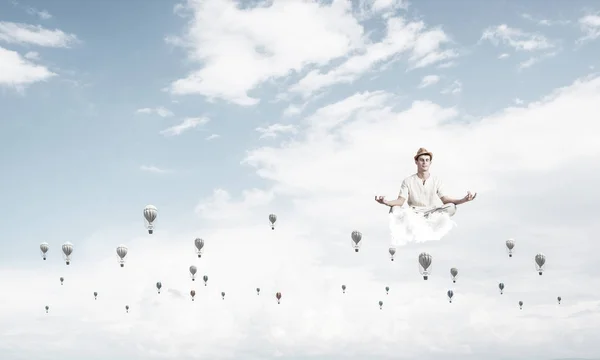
423	190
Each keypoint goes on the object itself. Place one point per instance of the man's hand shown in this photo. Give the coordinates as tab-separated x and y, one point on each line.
380	199
469	197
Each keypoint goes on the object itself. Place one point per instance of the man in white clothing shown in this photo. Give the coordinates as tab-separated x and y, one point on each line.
421	191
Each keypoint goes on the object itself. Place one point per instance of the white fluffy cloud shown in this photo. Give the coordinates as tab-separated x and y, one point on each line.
590	26
18	72
516	38
186	125
19	33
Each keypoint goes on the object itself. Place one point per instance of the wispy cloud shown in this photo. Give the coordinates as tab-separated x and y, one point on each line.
154	169
516	38
19	33
545	22
590	26
429	80
503	56
213	137
160	111
18	72
454	89
273	130
187	124
42	14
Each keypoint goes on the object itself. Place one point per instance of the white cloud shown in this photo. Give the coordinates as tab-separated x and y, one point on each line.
186	124
42	14
15	71
213	136
18	33
321	185
383	8
292	110
519	101
237	59
516	38
536	59
160	111
273	130
503	56
590	26
423	46
545	22
429	80
32	55
154	169
454	88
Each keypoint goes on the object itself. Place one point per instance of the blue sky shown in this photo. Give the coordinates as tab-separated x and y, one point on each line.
77	146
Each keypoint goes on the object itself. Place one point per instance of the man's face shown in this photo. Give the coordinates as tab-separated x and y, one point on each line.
423	162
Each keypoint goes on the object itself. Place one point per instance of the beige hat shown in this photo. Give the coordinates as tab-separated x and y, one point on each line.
423	151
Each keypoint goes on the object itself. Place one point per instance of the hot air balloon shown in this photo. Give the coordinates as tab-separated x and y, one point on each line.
158	286
510	245
193	293
61	280
193	271
257	291
356	236
278	296
454	274
501	286
199	243
67	249
121	253
559	299
150	214
424	264
95	295
387	290
44	249
272	219
47	308
392	251
540	260
223	295
205	278
127	308
344	289
450	295
521	305
380	304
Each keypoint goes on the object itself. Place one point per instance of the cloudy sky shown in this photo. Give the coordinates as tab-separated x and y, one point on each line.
220	112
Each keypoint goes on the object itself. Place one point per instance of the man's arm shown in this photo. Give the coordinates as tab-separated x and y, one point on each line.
398	202
447	200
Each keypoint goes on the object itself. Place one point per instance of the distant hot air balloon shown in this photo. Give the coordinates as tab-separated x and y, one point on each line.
158	286
380	304
61	280
521	305
356	237
454	274
95	295
344	289
424	264
272	219
540	260
199	243
450	295
121	253
501	286
257	291
205	278
47	308
127	308
278	296
559	299
392	251
150	214
223	295
44	247
193	293
387	290
193	270
67	249
510	245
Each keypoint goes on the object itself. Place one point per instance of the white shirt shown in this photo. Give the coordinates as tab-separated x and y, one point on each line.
422	195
